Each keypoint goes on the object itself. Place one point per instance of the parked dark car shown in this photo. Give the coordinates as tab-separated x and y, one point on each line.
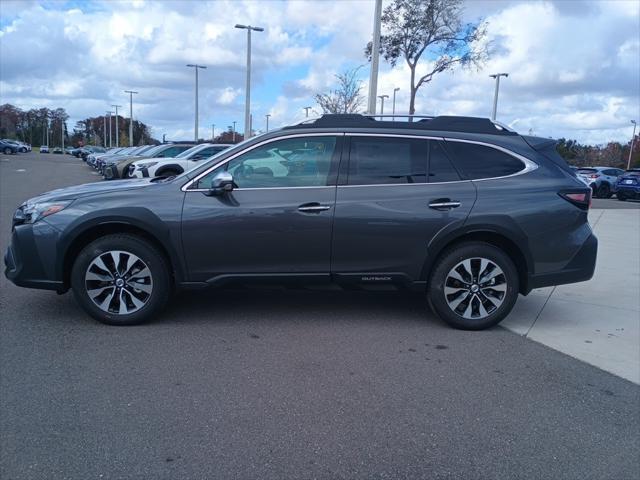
628	186
462	209
8	148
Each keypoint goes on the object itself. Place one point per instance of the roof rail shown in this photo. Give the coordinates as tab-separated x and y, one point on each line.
414	122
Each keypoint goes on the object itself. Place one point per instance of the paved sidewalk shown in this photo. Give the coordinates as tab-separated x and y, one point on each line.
597	321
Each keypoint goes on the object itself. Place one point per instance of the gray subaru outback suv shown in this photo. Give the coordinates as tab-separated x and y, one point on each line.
462	209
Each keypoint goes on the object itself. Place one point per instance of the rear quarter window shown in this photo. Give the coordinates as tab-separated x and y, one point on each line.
480	161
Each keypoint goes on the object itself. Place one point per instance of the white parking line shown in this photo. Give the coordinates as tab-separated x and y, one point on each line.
21	170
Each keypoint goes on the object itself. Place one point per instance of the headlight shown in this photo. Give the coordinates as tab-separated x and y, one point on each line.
32	212
142	166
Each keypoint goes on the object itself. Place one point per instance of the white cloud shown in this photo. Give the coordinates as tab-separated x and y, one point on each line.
574	68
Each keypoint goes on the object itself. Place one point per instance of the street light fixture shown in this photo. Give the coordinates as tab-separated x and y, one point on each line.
633	137
306	111
117	134
131	93
196	67
495	96
247	106
267	116
395	90
382	97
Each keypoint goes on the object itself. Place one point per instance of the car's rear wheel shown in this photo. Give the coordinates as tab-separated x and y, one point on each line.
473	286
6	151
621	196
604	191
121	279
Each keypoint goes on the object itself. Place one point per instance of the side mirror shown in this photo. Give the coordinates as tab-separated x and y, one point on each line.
222	183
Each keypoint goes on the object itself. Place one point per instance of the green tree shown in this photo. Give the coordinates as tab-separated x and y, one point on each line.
417	29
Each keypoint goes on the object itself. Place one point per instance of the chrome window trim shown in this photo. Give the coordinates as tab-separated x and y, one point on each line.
185	187
529	165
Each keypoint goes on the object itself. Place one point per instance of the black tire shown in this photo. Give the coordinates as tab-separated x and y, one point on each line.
446	263
155	262
604	191
168	173
621	196
23	150
7	151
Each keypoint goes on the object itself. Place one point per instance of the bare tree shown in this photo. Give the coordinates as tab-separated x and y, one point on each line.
346	98
413	28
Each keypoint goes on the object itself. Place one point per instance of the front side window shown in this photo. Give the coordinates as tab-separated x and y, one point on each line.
480	161
291	162
387	160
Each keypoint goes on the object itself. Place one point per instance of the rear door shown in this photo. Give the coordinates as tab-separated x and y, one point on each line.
395	193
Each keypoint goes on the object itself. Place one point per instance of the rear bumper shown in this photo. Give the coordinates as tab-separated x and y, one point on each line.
629	191
579	269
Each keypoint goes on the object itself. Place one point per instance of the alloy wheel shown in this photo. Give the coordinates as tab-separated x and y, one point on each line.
118	282
475	288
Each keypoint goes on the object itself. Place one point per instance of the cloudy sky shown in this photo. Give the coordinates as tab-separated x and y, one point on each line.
574	65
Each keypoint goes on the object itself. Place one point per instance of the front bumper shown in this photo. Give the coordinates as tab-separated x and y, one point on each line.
30	258
579	269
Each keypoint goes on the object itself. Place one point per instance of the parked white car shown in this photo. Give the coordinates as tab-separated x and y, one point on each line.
44	148
167	167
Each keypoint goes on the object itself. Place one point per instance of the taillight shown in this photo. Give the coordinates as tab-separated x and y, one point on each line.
594	175
580	198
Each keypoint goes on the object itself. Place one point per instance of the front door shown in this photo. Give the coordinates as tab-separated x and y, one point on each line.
277	221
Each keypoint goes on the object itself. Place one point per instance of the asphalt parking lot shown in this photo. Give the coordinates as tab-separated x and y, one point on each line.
290	384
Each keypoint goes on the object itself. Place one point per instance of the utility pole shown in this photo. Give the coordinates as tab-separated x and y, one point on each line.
382	97
247	106
306	111
117	134
196	67
234	131
375	58
393	110
267	116
110	142
633	137
495	95
131	93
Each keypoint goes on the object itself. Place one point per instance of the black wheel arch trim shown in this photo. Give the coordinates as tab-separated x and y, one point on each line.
483	229
131	220
173	167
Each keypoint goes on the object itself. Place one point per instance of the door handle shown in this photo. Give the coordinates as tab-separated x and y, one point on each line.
444	204
313	207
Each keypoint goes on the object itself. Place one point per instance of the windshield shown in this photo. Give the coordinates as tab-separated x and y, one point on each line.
192	150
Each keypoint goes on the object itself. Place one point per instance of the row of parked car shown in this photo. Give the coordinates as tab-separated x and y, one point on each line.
165	160
8	146
606	181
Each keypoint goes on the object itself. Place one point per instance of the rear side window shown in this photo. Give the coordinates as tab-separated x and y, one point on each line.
440	167
479	161
387	160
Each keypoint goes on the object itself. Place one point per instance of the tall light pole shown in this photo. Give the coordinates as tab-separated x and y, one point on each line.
104	127
62	133
495	95
196	67
117	134
110	142
131	93
213	131
247	106
633	137
393	110
234	131
306	111
267	117
375	58
382	97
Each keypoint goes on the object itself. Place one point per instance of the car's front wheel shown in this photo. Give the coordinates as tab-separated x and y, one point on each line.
6	151
473	286
121	279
